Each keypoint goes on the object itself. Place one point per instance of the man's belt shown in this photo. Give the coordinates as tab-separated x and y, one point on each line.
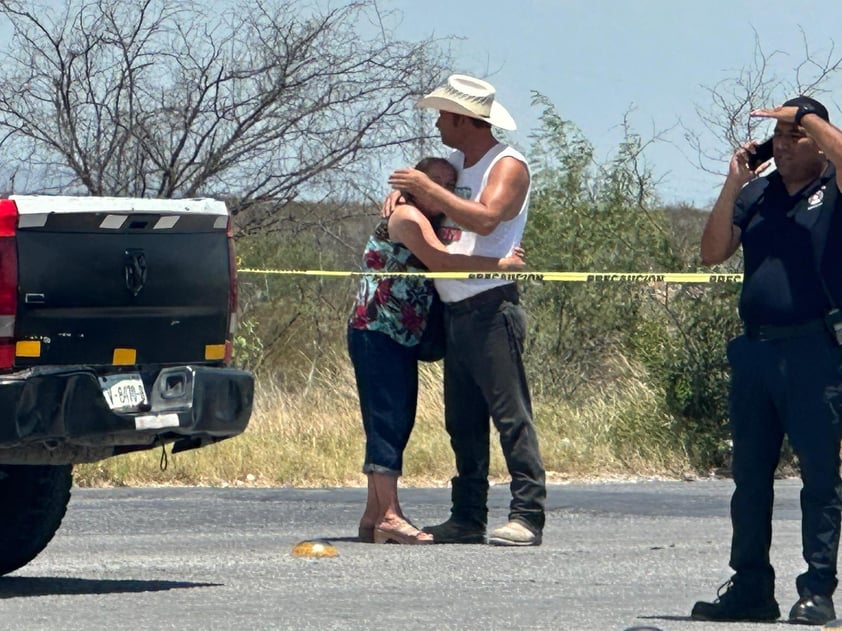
495	295
766	332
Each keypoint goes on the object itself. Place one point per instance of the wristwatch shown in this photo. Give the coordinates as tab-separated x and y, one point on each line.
803	110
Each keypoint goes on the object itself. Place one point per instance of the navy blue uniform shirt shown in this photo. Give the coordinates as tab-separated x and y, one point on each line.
786	239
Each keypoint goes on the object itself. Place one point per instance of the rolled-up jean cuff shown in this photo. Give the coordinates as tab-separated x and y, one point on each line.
376	468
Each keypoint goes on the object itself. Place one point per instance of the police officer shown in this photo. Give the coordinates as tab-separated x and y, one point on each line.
785	368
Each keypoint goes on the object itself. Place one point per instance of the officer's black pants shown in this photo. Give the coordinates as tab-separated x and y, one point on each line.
786	387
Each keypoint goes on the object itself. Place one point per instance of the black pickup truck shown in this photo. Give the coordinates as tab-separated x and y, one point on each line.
116	325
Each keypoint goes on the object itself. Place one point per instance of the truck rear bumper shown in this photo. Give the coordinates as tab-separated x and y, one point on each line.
65	411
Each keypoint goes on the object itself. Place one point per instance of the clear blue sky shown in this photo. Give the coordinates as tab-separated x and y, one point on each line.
596	59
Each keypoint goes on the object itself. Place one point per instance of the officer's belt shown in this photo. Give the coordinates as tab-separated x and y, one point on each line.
495	295
768	332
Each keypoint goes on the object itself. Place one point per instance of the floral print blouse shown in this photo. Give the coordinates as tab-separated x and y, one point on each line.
396	305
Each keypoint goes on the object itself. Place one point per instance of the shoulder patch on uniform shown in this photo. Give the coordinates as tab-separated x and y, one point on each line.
816	199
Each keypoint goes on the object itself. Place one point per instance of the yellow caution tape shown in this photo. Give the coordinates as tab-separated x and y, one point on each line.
567	277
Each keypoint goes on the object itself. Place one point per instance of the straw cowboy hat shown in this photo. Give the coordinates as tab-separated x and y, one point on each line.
470	97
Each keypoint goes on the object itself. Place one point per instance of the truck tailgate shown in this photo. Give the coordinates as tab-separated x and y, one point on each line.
104	284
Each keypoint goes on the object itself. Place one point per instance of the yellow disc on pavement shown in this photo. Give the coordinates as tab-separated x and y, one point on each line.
317	549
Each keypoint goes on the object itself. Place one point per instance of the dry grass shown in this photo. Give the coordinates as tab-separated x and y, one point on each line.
311	439
315	438
622	433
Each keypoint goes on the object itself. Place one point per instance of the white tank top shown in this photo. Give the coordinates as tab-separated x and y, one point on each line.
499	243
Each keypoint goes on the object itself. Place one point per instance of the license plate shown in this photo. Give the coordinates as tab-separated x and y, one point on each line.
124	392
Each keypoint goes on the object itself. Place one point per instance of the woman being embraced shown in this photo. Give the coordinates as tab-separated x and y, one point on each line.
386	325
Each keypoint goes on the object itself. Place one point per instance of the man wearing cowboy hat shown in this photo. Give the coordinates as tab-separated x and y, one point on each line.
486	326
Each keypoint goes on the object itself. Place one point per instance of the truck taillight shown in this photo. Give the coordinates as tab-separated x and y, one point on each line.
232	295
8	281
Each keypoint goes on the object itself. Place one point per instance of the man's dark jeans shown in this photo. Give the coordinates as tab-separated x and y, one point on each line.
484	377
786	387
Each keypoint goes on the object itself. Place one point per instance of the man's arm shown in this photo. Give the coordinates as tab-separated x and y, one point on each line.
827	136
408	225
721	237
501	200
829	139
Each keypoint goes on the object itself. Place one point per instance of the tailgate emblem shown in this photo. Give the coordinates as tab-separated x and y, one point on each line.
135	269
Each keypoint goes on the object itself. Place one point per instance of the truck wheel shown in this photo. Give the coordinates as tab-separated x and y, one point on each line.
33	500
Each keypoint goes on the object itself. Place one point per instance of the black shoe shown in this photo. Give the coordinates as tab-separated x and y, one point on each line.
738	604
453	531
814	610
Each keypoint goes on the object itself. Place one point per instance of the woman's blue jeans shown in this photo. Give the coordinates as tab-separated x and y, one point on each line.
387	384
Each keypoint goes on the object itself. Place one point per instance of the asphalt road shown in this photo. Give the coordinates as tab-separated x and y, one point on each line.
614	556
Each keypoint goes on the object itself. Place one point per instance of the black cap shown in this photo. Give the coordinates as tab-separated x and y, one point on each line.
817	108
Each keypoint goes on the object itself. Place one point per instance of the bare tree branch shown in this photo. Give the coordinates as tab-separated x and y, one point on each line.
258	103
764	82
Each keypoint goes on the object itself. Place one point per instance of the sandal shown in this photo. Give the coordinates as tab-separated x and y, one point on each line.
365	534
400	532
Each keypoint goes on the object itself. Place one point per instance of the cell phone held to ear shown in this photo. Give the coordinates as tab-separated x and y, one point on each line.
762	153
